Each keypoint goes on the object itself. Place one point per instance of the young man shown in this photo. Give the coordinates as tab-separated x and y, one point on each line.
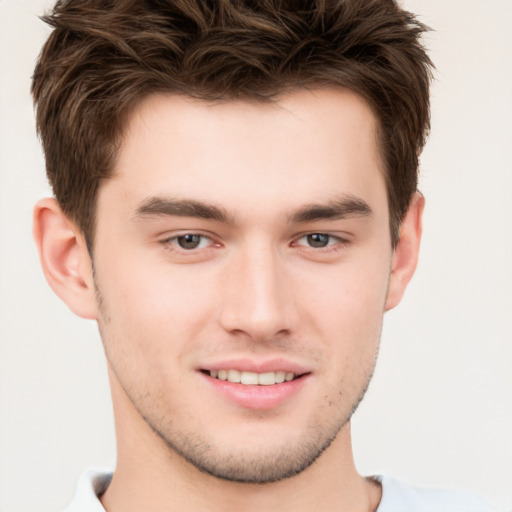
235	204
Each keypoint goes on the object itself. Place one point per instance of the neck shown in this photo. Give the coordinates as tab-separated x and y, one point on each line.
149	476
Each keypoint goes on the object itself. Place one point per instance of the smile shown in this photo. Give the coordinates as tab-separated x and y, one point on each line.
241	384
253	378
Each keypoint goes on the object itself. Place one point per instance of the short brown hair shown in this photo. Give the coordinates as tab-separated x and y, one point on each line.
104	56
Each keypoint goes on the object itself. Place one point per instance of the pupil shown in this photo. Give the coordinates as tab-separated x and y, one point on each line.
318	240
189	241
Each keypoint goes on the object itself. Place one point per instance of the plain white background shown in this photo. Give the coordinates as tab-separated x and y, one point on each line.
439	411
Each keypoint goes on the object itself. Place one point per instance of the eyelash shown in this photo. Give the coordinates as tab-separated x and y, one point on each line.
173	242
334	242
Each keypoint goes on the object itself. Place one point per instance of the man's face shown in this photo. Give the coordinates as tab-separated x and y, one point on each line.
245	241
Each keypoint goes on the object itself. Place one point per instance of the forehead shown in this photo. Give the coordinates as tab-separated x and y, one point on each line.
302	147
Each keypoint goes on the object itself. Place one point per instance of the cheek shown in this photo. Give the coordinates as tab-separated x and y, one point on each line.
152	321
350	298
154	287
153	309
345	313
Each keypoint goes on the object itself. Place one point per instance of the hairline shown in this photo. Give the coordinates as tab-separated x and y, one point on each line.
270	98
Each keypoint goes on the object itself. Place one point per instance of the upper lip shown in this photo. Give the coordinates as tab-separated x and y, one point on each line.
252	365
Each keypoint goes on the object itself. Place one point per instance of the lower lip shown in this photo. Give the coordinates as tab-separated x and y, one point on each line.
257	397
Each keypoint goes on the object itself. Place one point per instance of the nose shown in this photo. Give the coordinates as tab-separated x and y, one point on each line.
257	298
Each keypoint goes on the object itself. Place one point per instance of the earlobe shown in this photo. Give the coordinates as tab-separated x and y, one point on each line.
64	257
405	255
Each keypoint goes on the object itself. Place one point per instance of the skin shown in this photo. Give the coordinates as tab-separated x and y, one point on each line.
256	288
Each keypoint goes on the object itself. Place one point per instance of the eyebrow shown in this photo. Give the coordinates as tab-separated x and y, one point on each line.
342	208
159	206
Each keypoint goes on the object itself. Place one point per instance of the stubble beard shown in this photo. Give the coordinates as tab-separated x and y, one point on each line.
255	468
240	466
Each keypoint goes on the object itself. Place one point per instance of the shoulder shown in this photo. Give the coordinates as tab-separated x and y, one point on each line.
91	485
400	497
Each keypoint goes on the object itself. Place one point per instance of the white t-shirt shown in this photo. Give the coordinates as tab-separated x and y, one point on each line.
396	496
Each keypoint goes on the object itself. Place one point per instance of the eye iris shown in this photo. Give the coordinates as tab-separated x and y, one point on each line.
318	240
189	241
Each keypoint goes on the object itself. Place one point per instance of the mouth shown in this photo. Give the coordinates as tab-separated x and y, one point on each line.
252	378
249	385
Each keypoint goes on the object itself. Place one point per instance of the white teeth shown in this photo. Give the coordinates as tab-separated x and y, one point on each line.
233	376
266	379
252	378
280	376
249	378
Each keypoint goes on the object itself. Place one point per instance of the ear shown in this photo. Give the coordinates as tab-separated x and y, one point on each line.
64	257
405	255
